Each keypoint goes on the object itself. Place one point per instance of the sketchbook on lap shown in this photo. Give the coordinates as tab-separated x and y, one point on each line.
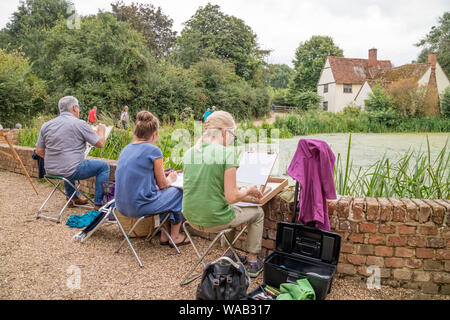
254	169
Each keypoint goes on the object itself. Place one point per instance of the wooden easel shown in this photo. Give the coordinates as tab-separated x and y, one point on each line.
16	157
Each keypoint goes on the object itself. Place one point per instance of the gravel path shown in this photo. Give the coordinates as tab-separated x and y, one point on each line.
38	260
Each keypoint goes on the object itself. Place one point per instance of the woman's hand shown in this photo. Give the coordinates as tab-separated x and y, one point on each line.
172	177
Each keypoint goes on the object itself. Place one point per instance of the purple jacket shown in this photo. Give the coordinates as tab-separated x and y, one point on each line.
312	166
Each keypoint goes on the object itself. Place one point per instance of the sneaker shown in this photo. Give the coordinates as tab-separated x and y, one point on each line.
77	202
254	268
232	257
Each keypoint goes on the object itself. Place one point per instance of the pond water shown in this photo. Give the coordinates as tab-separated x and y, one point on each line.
366	148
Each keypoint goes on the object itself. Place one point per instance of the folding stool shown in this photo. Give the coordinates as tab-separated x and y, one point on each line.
50	178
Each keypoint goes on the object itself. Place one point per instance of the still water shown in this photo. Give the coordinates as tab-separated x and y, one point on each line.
366	148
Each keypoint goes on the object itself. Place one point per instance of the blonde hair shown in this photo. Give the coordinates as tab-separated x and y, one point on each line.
215	123
146	125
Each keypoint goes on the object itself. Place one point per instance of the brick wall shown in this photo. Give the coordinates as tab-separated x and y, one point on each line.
408	239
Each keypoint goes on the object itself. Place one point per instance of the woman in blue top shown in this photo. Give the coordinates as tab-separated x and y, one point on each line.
141	185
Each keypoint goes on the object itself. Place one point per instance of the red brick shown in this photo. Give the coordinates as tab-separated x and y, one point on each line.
432	265
404	252
402	274
396	241
438	211
435	243
441	277
424	210
371	209
447	266
269	244
399	210
425	253
348	226
406	229
367	227
365	249
346	269
343	207
375	261
421	276
377	239
385	209
382	251
356	237
393	262
332	207
413	263
430	288
357	212
428	230
417	242
347	248
356	259
388	229
443	254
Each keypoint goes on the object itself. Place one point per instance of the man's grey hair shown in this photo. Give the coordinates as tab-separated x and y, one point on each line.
67	103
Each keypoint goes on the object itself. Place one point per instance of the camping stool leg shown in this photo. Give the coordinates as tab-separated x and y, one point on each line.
78	190
230	246
161	227
130	232
190	239
68	201
186	279
46	200
126	239
235	239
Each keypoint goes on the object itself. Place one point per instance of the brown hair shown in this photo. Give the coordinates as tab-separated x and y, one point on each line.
146	125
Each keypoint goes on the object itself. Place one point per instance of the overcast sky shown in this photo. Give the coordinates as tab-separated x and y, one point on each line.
355	25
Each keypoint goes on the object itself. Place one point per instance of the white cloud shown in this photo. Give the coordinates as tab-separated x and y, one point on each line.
356	26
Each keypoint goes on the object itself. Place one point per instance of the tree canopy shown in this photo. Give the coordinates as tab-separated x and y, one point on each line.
309	60
210	33
438	41
151	22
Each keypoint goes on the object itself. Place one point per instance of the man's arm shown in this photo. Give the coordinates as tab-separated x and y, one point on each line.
40	152
101	133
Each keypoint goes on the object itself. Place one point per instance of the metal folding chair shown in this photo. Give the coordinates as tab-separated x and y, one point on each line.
110	209
52	178
222	234
160	227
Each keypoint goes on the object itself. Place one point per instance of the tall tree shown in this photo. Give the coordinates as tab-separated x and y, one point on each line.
153	23
210	33
309	60
438	41
29	24
279	75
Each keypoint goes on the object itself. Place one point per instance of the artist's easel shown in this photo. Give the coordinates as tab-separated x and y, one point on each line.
16	157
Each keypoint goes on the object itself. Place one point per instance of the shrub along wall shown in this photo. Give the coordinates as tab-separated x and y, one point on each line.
407	239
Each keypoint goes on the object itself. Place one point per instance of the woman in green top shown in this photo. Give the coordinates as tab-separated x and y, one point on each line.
210	190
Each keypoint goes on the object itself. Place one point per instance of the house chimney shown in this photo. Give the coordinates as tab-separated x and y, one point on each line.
432	59
373	57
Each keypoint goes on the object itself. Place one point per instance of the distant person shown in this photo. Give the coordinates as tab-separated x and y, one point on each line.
1	127
18	126
206	114
61	142
93	115
213	109
273	107
124	118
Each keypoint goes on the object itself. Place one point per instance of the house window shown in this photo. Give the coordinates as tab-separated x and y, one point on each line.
347	88
325	88
325	106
